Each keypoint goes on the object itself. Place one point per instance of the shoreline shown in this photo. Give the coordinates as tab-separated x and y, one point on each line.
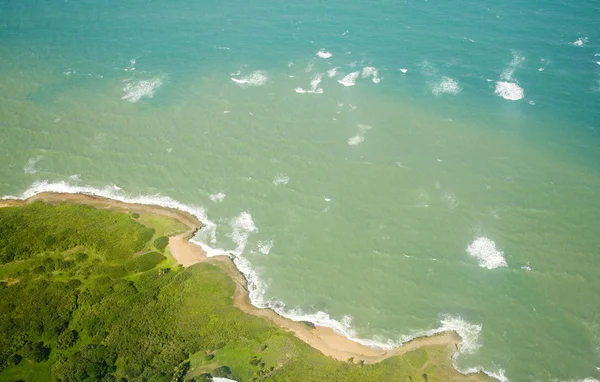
186	253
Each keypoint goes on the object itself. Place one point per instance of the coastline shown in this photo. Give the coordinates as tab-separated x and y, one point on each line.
186	253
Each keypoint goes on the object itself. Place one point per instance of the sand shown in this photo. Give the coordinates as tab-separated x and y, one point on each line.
324	339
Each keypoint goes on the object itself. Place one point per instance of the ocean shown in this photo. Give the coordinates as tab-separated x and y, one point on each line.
386	168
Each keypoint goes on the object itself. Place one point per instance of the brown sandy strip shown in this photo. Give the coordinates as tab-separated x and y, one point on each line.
324	339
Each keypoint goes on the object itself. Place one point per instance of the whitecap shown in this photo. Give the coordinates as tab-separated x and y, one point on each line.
332	72
322	53
509	91
256	78
30	165
370	71
281	179
515	63
485	251
218	197
580	41
309	67
136	90
404	70
265	246
75	178
314	86
446	85
355	140
349	79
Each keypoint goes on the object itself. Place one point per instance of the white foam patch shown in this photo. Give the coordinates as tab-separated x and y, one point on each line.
324	54
218	197
449	199
29	167
243	226
486	253
360	137
256	78
516	62
264	246
447	85
314	86
332	72
136	90
370	71
281	179
580	41
75	178
355	140
350	79
404	70
509	91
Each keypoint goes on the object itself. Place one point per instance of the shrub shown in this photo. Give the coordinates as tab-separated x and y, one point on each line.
209	357
222	372
14	359
161	243
135	215
67	339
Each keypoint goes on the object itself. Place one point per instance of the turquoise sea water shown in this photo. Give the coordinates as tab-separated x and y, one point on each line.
386	168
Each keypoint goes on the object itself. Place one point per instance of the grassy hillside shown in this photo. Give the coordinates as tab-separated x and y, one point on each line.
91	295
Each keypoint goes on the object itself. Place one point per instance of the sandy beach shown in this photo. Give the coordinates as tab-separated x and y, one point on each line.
324	339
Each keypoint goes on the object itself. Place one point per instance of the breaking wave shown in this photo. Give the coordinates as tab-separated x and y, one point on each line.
508	88
322	53
485	251
256	78
509	91
350	79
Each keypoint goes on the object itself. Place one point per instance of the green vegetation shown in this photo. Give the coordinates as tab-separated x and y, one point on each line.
85	296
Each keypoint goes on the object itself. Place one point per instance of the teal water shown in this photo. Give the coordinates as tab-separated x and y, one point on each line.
455	186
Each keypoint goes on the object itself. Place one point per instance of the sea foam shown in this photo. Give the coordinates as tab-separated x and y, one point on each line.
218	197
509	91
314	86
256	78
360	137
322	53
485	251
350	79
446	85
281	179
135	90
369	71
30	165
580	41
508	87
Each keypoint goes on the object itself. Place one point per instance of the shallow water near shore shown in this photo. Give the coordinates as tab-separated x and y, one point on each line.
388	180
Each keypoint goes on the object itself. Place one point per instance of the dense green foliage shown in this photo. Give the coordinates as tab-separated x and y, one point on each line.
84	298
